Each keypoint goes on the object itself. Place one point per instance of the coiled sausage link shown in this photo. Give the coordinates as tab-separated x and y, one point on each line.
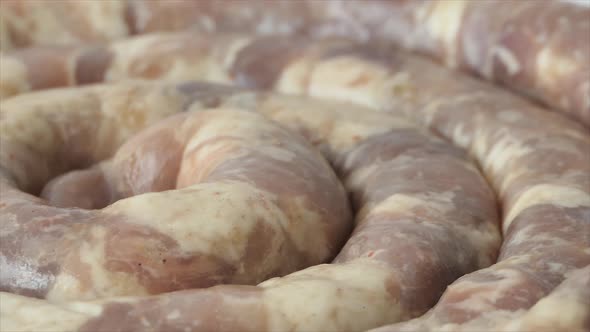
472	114
404	203
539	167
170	226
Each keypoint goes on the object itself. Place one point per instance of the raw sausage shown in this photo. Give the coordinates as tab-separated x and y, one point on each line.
404	200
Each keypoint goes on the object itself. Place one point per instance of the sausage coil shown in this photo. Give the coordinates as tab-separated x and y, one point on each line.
303	186
389	167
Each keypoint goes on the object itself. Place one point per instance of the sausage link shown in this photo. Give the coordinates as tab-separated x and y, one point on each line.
289	209
390	168
533	47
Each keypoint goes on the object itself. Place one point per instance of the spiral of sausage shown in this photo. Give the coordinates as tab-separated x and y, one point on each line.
171	226
539	166
108	163
403	198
